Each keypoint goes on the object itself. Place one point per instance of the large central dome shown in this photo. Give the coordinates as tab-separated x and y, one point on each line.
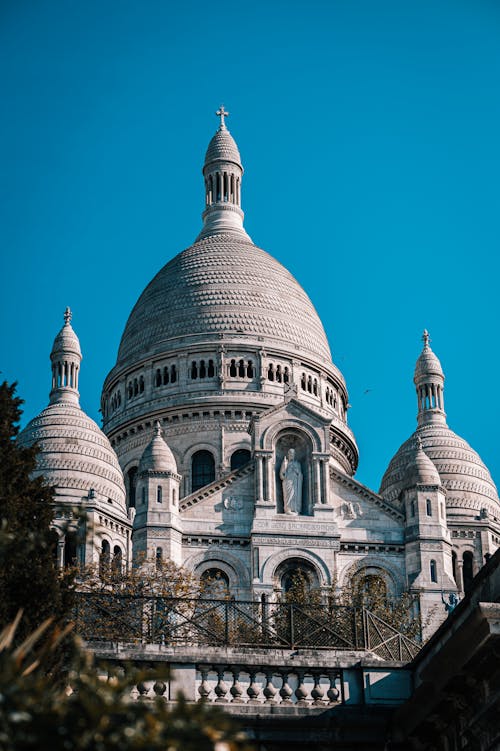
222	333
223	284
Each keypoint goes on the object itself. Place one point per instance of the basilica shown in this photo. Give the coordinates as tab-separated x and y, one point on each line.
225	444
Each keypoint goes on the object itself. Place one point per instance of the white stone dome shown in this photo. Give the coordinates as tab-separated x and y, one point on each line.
157	456
421	470
223	284
222	147
74	454
466	479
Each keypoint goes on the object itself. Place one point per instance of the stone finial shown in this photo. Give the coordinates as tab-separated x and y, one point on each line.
157	428
68	315
426	338
221	112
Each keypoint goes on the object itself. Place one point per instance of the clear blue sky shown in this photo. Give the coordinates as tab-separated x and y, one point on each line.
370	136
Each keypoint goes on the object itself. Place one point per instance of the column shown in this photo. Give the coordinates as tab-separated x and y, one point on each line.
269	478
258	472
460	574
61	543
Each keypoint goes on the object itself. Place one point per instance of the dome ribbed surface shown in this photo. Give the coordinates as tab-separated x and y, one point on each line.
421	470
74	453
66	341
464	476
222	284
427	365
222	147
157	457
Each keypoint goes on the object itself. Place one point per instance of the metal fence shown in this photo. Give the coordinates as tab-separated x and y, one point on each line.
108	616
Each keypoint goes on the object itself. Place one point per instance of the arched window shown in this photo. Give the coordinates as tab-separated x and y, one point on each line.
297	577
202	469
286	376
130	391
239	458
250	369
116	565
467	569
278	373
428	507
303	382
433	571
132	484
194	370
215	583
158	378
412	507
315	387
166	376
136	387
203	370
141	384
70	549
159	494
309	384
104	558
270	372
173	374
241	369
211	369
159	557
371	590
174	497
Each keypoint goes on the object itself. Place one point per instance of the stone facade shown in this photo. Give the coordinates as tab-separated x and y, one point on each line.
226	355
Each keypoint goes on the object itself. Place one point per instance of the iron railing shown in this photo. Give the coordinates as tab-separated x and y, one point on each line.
109	616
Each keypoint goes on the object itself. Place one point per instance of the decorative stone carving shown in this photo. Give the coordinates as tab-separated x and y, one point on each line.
351	510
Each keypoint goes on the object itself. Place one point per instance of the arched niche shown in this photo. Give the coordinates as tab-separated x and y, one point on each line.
296	441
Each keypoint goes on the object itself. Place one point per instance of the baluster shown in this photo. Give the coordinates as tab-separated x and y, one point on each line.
301	690
159	688
236	689
142	689
221	688
318	693
285	690
253	690
270	690
204	688
333	692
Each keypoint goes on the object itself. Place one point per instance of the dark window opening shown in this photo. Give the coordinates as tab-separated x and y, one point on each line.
240	458
202	469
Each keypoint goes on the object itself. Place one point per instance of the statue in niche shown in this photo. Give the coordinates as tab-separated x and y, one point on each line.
291	481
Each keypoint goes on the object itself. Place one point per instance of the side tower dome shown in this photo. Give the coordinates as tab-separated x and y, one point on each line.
75	457
222	333
467	481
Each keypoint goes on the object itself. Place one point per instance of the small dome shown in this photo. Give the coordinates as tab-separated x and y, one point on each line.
222	147
157	456
468	483
74	454
427	364
66	341
421	470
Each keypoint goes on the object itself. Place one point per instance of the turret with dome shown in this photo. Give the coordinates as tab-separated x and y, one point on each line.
76	458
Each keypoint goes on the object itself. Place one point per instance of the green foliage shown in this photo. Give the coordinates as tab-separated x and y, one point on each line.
95	713
29	578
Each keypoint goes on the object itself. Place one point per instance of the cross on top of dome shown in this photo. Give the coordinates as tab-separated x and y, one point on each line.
426	338
68	315
221	112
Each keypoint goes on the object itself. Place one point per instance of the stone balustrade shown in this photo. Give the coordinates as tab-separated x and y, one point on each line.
227	684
